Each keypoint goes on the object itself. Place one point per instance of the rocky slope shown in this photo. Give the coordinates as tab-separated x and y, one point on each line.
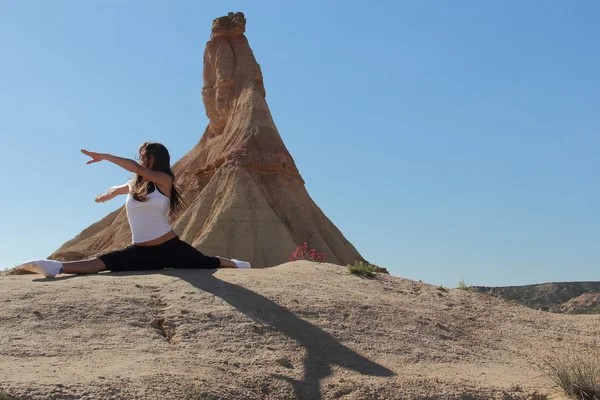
299	330
587	303
549	296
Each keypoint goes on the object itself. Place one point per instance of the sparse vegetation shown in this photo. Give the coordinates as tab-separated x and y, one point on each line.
463	286
4	396
361	268
577	374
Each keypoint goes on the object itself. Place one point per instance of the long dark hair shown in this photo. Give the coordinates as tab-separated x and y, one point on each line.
162	163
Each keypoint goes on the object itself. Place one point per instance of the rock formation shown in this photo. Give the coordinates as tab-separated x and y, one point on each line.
587	303
554	296
246	198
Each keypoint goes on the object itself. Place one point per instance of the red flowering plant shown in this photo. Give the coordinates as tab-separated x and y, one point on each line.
304	253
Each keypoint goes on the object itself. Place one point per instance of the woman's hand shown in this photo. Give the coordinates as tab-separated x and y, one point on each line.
96	157
100	198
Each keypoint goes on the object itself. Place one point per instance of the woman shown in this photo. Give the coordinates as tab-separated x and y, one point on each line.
151	197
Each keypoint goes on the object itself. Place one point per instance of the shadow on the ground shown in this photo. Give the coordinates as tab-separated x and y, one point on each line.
322	350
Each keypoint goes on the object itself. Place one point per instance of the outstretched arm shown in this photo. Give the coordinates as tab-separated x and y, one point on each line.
157	177
112	193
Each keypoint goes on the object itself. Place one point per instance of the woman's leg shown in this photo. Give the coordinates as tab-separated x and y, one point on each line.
226	263
51	268
91	266
131	258
187	256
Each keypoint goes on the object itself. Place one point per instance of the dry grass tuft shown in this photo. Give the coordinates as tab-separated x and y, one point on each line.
463	286
577	374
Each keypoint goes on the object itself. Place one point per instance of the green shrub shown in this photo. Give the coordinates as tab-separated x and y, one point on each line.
361	268
577	374
463	286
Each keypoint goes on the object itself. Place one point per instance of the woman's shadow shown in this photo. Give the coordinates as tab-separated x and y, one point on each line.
322	349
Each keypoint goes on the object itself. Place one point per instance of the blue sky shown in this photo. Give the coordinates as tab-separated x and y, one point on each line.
446	140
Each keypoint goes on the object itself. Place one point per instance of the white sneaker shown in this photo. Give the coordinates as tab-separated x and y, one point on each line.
48	268
241	264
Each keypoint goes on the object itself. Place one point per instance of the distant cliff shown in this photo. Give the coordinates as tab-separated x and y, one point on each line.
563	297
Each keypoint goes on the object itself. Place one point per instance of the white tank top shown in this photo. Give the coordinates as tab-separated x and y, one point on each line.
148	219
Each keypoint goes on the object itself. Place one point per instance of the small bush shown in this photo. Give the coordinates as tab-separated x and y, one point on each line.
4	396
578	375
304	253
361	268
463	286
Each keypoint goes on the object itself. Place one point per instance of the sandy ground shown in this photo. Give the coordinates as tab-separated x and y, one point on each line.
300	330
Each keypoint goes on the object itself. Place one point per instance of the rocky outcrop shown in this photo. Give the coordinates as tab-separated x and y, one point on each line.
545	296
246	196
587	303
300	330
